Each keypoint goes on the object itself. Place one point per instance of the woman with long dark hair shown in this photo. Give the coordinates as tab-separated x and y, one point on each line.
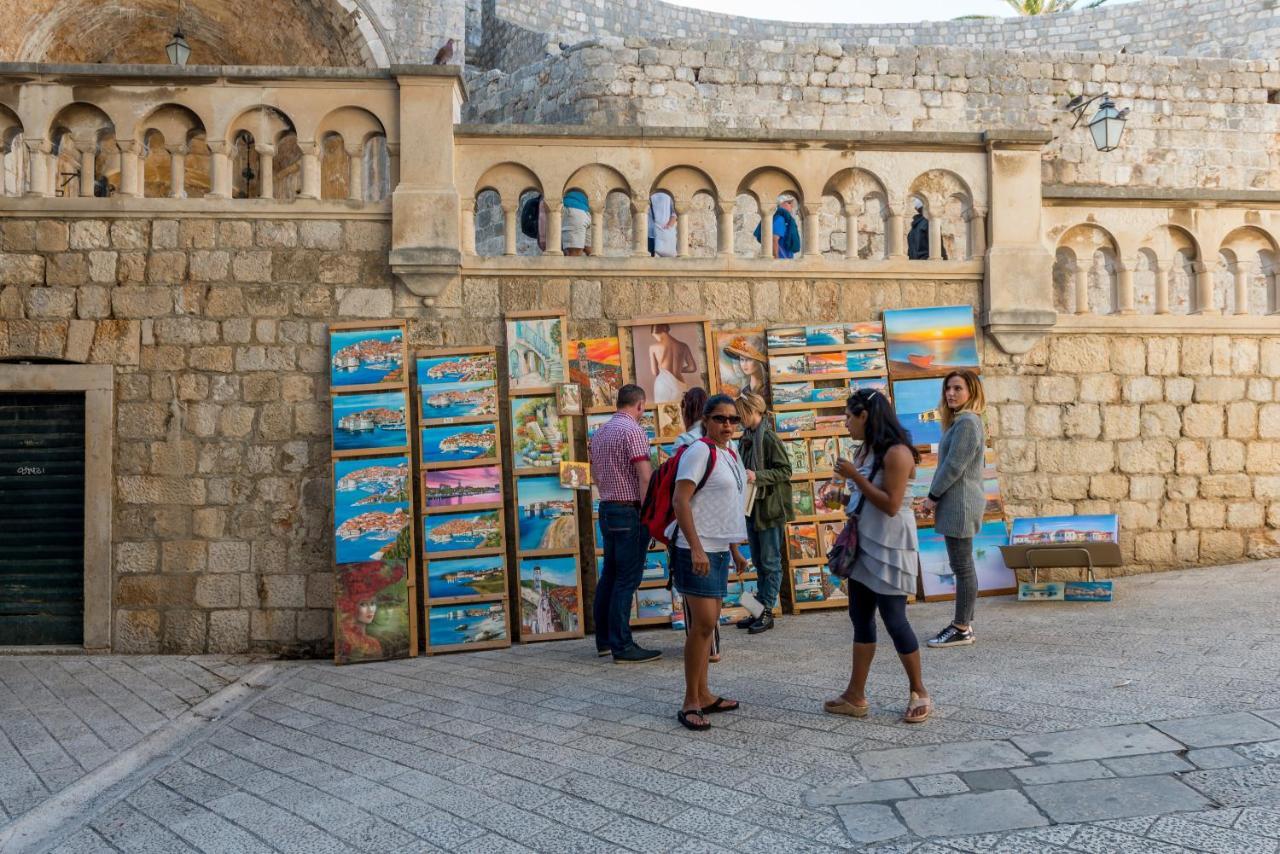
884	574
956	496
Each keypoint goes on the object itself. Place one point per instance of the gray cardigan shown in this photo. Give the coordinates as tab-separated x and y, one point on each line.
957	483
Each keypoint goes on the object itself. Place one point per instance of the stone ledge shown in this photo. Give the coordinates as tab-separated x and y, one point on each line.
716	267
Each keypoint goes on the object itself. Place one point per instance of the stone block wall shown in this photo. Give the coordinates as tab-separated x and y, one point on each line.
1206	123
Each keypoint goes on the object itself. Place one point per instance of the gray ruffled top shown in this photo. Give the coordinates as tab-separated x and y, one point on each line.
888	548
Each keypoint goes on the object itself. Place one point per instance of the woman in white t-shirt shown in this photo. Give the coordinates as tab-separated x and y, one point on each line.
710	522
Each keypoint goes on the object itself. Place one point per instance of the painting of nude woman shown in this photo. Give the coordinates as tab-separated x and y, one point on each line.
669	360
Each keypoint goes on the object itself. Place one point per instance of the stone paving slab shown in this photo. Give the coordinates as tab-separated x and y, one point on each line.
865	823
1216	757
859	793
1094	800
1220	730
988	812
940	758
1065	772
1148	764
1096	743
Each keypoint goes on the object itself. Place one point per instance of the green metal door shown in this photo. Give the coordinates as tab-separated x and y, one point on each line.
41	519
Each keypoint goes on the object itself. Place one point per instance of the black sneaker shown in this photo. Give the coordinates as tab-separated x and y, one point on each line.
635	654
745	622
951	636
762	624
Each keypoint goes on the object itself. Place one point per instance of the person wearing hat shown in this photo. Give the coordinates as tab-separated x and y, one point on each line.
362	584
769	468
750	364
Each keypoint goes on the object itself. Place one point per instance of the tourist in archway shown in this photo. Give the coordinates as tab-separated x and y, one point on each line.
956	495
883	575
770	469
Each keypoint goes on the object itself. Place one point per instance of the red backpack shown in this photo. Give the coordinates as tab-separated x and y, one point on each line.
658	511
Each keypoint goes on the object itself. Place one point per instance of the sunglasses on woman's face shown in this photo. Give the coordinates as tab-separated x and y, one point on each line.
726	419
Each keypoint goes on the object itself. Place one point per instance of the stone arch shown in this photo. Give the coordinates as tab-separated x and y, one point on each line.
326	33
169	163
345	136
767	183
77	132
597	180
1246	280
947	198
1178	255
1145	264
1085	270
863	205
508	180
13	171
684	182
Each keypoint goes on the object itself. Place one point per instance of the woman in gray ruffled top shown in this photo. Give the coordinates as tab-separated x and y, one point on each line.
884	574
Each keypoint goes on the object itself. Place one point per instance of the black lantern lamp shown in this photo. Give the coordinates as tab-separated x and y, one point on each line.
1107	125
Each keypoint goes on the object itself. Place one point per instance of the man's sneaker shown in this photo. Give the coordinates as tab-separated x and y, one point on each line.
745	622
951	636
762	624
635	654
601	653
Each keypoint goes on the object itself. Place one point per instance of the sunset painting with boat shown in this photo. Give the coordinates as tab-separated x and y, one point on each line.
929	341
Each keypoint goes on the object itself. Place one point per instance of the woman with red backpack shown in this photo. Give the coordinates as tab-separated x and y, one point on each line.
709	523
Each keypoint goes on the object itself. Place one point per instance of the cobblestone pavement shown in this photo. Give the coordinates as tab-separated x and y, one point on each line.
1146	725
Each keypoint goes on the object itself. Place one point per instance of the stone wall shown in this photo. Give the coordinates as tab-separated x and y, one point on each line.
1205	123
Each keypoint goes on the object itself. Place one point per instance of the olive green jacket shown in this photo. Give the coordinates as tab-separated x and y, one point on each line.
773	481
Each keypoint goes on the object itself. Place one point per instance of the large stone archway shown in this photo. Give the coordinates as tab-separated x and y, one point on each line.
332	33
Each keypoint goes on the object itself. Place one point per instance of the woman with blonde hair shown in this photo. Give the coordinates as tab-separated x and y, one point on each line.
769	468
956	497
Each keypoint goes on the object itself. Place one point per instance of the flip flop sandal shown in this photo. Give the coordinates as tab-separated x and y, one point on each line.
683	717
721	705
841	706
917	702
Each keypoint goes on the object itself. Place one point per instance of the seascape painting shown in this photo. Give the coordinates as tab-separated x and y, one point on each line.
540	436
371	507
928	341
1051	530
467	623
369	421
993	575
455	400
457	487
549	596
596	365
794	422
864	361
535	354
653	604
864	332
460	532
655	566
822	336
595	422
736	591
880	384
787	365
742	362
916	403
787	336
464	368
466	576
364	357
372	613
826	363
784	393
545	514
459	444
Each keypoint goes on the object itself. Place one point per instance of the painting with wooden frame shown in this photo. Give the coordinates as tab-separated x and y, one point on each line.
537	351
667	360
375	552
465	591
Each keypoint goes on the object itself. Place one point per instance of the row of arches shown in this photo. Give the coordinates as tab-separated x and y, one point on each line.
171	152
1167	272
852	214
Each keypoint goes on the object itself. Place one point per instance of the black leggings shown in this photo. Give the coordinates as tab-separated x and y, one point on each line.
863	602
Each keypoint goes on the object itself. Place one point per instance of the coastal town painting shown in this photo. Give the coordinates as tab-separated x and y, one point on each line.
462	486
1052	530
365	422
452	578
540	435
596	365
364	359
546	515
864	361
939	582
372	505
550	598
535	353
464	533
930	341
460	443
916	404
467	625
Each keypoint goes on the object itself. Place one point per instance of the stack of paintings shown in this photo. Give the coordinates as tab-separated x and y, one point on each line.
374	554
813	370
551	377
460	455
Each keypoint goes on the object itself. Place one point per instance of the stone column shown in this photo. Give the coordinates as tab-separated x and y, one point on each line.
1240	278
310	170
935	236
38	164
811	246
977	218
639	226
724	227
510	226
266	170
129	168
555	219
597	227
1204	289
468	225
1124	288
177	171
766	230
682	229
1162	288
88	150
393	166
355	173
1082	289
219	169
850	230
895	237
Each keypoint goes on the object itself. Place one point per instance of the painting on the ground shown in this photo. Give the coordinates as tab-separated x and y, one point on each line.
864	332
797	454
456	400
861	361
535	353
369	421
540	435
926	341
457	532
545	514
794	422
916	403
371	506
466	623
831	334
466	576
802	498
802	540
1052	530
670	359
360	357
1044	591
461	443
653	604
743	364
372	611
656	566
475	485
825	363
785	336
935	569
548	595
465	368
1088	591
596	365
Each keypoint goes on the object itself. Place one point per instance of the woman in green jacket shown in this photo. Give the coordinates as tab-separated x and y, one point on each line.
770	470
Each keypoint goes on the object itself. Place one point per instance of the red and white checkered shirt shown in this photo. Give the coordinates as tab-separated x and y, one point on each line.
615	448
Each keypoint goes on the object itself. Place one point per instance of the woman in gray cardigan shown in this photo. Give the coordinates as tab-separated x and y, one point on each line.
956	496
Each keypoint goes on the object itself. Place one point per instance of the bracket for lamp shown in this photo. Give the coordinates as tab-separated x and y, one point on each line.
1080	103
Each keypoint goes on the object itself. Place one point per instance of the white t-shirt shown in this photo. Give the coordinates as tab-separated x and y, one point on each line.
718	507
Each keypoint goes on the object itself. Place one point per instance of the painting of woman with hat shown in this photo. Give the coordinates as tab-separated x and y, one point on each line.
742	363
372	612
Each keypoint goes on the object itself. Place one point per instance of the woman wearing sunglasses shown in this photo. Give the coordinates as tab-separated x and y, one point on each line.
710	525
884	574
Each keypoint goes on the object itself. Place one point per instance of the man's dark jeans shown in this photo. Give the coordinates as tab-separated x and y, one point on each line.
625	544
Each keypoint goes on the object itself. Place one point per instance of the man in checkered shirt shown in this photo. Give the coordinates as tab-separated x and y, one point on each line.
620	469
